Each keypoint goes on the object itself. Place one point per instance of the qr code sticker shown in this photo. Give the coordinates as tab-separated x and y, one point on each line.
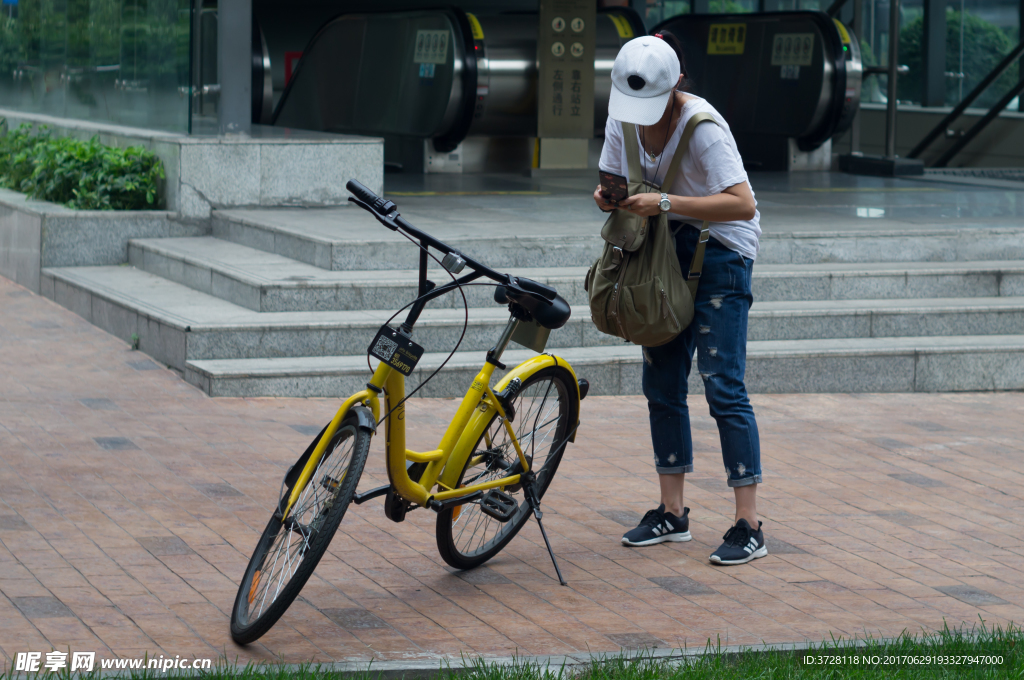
384	347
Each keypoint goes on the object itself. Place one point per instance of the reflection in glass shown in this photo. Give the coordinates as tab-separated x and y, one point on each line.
118	61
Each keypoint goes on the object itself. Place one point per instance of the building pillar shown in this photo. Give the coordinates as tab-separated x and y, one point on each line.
933	48
234	66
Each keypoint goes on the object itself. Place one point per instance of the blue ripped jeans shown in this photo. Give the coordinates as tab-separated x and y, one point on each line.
718	334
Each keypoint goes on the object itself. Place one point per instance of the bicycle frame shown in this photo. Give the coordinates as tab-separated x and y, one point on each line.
445	463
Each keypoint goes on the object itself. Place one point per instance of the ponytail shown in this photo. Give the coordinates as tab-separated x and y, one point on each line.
677	47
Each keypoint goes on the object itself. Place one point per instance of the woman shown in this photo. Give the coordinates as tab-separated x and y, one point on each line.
648	80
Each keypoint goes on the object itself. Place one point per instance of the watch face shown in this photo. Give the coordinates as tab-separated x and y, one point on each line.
665	205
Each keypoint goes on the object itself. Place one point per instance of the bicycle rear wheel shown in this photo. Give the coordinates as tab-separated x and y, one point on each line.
546	408
288	552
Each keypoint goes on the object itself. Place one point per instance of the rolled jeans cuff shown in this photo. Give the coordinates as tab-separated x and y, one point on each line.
744	481
674	470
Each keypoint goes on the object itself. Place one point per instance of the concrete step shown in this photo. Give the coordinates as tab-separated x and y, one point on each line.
349	239
909	364
267	282
175	323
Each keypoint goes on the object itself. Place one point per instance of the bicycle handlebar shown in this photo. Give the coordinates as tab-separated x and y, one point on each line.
386	213
377	204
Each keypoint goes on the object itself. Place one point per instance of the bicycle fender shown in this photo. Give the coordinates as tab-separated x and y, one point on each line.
475	427
364	418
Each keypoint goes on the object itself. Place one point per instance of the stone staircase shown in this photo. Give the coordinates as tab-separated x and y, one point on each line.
273	306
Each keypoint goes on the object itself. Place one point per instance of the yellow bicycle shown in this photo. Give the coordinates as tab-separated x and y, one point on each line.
484	479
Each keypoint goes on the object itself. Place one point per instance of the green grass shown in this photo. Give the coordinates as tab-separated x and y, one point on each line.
712	663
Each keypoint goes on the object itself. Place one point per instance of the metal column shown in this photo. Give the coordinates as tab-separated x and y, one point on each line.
888	165
891	90
234	64
934	53
858	30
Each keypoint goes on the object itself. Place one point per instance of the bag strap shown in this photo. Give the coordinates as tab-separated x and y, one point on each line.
684	145
632	148
697	263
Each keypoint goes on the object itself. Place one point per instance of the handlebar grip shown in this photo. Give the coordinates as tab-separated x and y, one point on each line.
531	286
376	203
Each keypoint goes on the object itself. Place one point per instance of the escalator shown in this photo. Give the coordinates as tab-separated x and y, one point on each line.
443	75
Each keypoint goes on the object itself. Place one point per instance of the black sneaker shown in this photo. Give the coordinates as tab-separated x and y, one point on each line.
659	526
742	544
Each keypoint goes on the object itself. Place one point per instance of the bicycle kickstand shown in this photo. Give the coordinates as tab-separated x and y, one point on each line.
531	498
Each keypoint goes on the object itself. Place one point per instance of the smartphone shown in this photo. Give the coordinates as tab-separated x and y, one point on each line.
613	187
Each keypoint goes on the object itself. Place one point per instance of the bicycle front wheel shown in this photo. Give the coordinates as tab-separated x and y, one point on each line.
288	551
546	410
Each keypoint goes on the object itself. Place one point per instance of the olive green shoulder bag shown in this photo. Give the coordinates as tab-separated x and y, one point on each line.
636	288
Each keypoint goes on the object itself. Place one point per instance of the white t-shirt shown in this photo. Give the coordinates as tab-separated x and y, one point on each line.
711	165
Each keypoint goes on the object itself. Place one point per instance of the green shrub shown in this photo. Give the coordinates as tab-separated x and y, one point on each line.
82	175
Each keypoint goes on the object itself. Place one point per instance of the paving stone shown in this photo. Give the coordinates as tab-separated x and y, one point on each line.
99	405
161	546
905	518
780	547
218	490
115	443
626	518
928	426
354	618
682	585
144	365
851	553
14	523
635	640
482	576
41	607
308	430
971	595
917	480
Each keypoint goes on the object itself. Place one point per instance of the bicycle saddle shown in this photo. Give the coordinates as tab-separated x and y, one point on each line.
542	302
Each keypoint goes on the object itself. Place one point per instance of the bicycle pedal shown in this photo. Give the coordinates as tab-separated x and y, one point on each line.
498	505
330	483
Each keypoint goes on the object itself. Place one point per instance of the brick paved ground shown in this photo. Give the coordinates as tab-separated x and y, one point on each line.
129	503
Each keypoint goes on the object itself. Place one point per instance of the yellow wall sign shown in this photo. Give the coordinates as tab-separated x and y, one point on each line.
726	38
622	25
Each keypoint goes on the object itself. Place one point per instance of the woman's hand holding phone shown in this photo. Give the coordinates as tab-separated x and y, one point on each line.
645	205
603	203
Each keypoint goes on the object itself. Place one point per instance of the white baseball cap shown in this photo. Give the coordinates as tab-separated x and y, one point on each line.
644	75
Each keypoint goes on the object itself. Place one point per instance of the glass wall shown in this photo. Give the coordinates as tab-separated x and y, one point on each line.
978	34
117	61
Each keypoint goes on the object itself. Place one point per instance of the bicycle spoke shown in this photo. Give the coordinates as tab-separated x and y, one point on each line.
293	539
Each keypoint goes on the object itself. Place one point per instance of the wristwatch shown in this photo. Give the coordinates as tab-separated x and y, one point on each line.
664	203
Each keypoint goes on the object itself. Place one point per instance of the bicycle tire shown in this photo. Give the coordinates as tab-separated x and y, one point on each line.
449	535
244	630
